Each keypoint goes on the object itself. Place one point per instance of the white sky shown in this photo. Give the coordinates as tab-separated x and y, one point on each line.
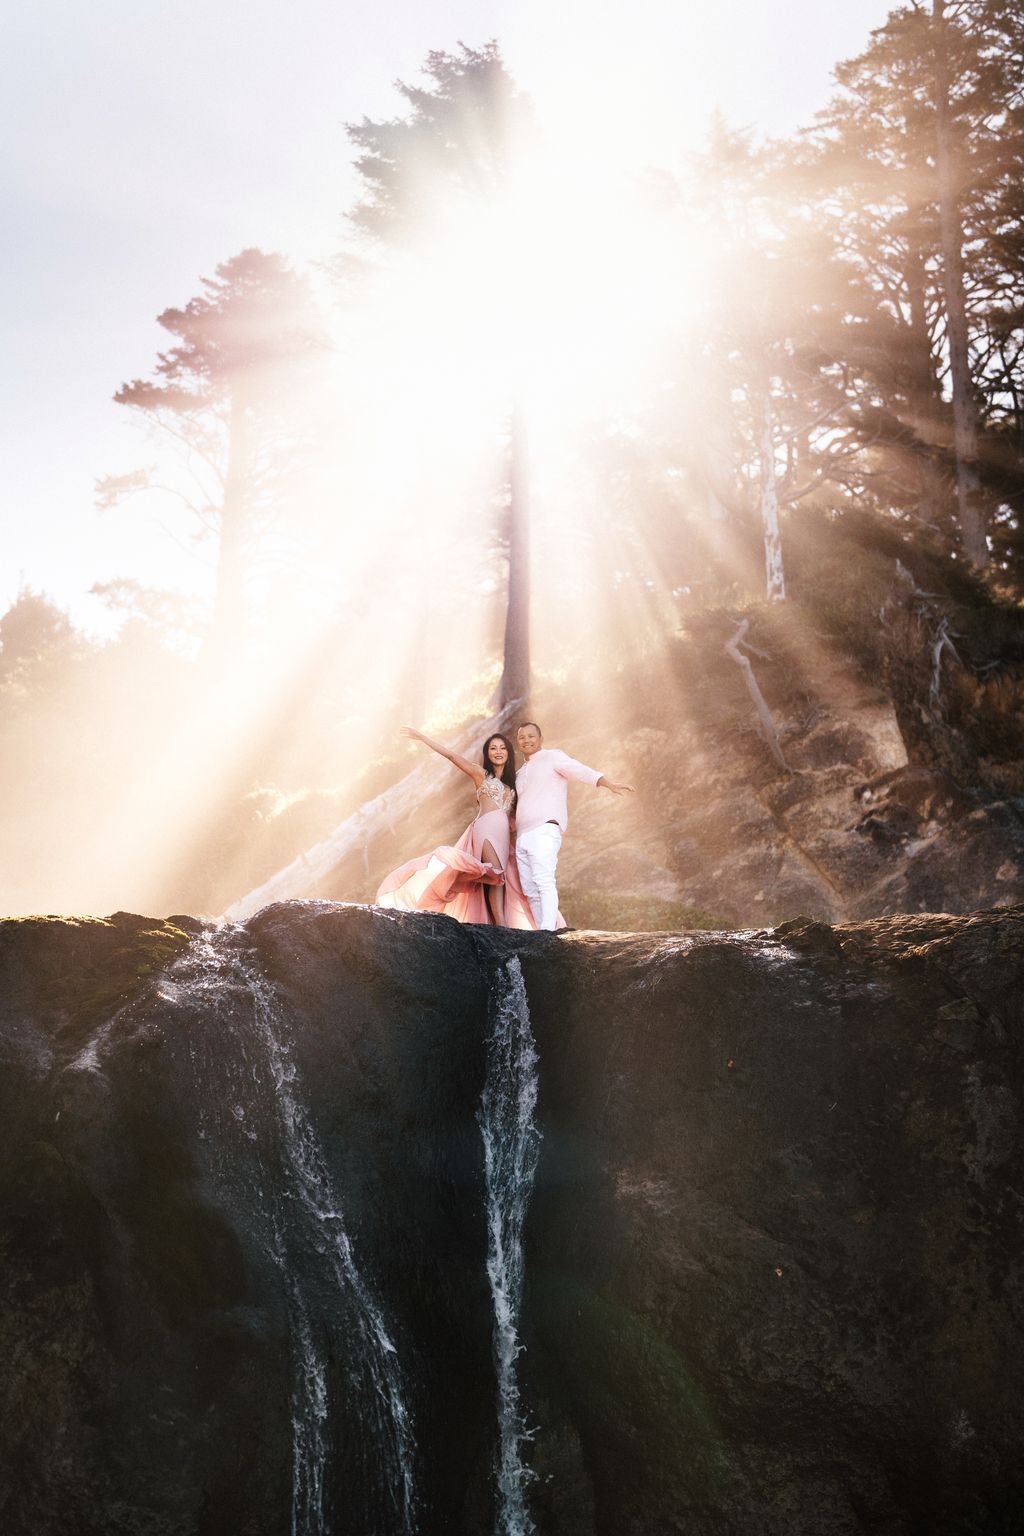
147	140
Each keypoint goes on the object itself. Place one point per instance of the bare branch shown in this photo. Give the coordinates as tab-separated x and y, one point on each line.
732	650
942	642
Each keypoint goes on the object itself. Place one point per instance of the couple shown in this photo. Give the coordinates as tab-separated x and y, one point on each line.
484	879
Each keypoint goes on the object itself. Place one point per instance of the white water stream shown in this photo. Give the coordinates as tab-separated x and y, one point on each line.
291	1200
511	1148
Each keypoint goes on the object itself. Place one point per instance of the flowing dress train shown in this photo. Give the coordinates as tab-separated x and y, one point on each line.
453	880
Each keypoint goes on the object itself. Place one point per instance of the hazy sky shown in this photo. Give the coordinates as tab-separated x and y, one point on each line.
147	140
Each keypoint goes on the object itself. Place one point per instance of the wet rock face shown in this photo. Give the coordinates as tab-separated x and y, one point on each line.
795	1249
773	1256
161	1261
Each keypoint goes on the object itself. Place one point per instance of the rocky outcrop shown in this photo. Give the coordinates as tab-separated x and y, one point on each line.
773	1255
718	834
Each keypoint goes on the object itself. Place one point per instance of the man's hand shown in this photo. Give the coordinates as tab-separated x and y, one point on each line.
616	789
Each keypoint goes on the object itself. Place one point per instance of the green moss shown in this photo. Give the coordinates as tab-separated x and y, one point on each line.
116	977
85	968
616	1365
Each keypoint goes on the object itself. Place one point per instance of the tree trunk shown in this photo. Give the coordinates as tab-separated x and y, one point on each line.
923	384
515	677
965	431
923	394
716	508
228	611
775	579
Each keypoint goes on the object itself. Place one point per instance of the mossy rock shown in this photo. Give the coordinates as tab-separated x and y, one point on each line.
80	970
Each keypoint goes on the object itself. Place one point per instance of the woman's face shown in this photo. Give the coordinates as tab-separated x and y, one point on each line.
497	753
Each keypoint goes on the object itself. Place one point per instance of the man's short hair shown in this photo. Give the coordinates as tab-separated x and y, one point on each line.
524	723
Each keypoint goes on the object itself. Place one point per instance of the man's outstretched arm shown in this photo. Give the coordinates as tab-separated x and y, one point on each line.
569	768
616	789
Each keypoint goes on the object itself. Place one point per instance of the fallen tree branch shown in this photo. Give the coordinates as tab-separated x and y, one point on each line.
306	875
942	642
732	649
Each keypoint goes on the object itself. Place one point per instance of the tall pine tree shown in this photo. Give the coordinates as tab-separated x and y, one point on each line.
448	158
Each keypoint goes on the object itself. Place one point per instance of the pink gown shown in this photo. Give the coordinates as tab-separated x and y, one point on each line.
453	880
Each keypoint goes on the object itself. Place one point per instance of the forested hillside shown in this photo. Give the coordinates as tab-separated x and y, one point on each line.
529	440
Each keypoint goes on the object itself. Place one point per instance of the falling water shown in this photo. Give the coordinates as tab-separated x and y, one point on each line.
294	1204
511	1147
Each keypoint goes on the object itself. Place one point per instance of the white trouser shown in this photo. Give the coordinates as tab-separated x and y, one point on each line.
537	857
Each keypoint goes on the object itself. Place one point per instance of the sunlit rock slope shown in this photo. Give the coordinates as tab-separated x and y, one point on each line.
772	1259
890	800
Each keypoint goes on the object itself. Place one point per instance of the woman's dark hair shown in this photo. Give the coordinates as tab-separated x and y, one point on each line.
508	772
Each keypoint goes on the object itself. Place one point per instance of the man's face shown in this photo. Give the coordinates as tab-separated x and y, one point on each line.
528	739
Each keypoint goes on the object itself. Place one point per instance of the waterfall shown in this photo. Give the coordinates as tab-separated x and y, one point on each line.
265	1149
511	1148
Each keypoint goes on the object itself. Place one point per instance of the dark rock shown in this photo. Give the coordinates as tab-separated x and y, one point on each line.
773	1258
889	823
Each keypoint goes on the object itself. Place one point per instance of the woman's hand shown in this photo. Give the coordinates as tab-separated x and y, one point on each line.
473	770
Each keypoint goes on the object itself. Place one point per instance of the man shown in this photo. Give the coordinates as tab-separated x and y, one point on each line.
542	811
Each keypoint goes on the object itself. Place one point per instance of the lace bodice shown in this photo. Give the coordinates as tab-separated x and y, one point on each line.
493	795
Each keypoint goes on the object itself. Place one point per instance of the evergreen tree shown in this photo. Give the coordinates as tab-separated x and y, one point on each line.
449	157
34	631
780	401
452	149
224	395
909	169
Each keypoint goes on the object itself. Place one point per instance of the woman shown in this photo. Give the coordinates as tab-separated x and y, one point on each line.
477	880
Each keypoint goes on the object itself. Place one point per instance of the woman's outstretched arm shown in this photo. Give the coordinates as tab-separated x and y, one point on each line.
474	770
